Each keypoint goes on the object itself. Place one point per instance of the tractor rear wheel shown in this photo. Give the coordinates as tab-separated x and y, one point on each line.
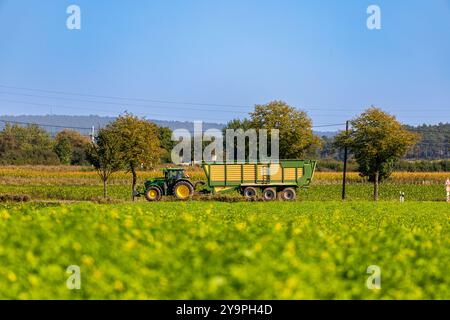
153	194
288	194
183	190
269	194
249	193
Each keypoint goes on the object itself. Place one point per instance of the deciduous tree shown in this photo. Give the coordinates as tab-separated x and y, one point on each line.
295	128
377	140
63	148
138	143
78	144
104	155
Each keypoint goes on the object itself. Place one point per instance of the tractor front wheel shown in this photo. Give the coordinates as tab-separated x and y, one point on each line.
153	194
183	190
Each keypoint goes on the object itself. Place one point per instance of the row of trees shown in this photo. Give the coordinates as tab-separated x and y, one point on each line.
131	143
33	145
376	141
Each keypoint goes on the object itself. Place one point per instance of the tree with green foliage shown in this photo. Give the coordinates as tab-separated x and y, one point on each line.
63	148
104	155
138	144
78	144
295	128
377	140
165	138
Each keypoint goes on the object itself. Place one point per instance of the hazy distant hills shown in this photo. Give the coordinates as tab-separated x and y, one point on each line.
60	121
97	121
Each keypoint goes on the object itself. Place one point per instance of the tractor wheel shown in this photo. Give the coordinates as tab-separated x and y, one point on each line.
288	194
249	193
269	194
183	190
153	194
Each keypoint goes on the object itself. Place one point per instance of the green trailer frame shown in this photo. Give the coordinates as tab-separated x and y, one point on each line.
292	173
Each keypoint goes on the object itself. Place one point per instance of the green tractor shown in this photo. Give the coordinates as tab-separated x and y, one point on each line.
175	182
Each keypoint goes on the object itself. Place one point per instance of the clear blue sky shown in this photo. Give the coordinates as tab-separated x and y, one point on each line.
315	55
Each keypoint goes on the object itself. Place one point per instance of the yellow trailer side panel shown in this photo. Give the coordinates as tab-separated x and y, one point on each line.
249	172
234	172
218	173
289	174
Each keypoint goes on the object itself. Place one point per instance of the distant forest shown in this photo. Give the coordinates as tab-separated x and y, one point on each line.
434	145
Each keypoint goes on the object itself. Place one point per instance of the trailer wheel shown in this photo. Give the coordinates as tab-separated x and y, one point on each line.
249	193
183	190
153	194
288	194
269	194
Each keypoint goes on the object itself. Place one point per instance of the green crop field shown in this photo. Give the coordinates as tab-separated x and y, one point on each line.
254	250
82	184
314	193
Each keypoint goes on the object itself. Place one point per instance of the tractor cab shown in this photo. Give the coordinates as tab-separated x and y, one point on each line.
175	182
174	174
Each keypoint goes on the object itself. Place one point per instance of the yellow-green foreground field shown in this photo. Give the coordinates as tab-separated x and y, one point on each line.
212	250
315	248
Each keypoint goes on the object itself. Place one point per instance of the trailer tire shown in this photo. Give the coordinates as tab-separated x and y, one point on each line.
153	194
183	190
249	193
269	194
288	194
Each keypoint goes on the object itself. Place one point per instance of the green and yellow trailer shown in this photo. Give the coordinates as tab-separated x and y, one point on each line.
279	179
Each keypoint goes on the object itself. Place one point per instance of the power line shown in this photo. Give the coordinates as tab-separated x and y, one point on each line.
98	110
116	103
127	98
329	125
157	100
311	109
108	111
84	128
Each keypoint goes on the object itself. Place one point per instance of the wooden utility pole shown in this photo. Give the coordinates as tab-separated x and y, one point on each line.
344	175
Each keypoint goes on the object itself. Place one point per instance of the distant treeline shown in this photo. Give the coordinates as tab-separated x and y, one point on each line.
20	145
31	144
433	145
401	165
